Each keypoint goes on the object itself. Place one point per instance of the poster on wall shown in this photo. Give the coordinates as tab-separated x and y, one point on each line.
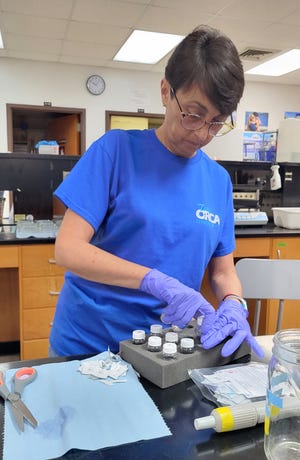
292	114
258	143
256	121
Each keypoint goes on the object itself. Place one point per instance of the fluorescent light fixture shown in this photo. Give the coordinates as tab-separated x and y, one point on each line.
147	47
1	41
280	65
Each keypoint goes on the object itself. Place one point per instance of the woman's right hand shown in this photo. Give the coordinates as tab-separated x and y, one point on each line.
183	302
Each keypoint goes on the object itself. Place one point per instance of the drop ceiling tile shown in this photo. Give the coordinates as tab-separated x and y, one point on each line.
72	48
47	8
169	20
108	12
266	10
31	44
96	33
34	26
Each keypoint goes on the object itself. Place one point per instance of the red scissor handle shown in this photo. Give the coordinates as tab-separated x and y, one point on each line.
25	373
23	377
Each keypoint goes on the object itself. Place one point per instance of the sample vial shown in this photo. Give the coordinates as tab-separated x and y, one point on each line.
169	350
198	327
171	337
154	343
187	345
156	329
138	337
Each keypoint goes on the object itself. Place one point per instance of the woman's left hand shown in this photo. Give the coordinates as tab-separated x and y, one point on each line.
229	320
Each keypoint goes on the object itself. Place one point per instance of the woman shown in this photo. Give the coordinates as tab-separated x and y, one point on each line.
148	212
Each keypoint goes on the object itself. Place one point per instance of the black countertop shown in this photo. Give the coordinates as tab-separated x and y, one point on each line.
179	406
269	230
264	231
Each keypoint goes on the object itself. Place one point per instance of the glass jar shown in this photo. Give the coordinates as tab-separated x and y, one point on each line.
282	417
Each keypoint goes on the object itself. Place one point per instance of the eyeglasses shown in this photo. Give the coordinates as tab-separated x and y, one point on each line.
193	122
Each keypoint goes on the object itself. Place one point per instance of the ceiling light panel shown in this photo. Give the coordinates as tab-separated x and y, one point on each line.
147	47
281	65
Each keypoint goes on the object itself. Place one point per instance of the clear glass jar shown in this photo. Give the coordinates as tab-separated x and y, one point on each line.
282	417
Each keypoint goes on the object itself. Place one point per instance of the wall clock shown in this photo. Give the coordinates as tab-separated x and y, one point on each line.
95	84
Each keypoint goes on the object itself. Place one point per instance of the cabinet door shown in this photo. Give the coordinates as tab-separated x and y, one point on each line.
37	323
35	349
38	260
9	256
252	247
284	248
39	292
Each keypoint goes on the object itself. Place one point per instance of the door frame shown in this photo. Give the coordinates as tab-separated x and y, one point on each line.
45	108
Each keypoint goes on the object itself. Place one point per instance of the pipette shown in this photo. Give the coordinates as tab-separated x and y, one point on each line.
231	418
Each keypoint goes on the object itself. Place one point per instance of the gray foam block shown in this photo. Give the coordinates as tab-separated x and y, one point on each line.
165	373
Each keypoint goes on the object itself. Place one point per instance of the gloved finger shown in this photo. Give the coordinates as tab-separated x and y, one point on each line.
207	323
216	336
176	320
232	344
255	346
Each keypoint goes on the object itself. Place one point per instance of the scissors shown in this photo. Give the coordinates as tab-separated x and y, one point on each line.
20	411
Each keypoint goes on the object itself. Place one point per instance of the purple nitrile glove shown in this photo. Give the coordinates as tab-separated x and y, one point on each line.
230	320
183	302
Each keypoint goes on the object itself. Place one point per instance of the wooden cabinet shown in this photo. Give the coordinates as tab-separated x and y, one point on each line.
40	281
9	304
252	247
284	248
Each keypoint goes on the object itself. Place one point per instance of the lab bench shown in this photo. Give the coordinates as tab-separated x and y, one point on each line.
30	282
179	406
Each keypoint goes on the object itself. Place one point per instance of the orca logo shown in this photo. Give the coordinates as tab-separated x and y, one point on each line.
203	214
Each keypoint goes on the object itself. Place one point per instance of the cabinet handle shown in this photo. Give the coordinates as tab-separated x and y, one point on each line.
54	292
51	324
52	261
278	254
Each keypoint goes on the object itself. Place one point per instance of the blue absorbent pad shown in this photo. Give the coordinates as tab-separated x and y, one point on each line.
75	411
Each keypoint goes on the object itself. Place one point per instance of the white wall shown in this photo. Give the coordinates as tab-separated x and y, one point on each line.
31	82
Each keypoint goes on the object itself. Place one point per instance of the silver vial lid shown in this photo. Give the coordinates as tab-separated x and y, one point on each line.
187	342
154	341
171	337
138	334
156	329
169	348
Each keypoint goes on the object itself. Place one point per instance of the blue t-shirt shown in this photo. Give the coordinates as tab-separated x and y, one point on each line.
147	206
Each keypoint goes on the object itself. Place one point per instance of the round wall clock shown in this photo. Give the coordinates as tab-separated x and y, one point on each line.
95	84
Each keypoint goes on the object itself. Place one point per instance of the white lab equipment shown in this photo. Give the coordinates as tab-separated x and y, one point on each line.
288	144
231	418
275	181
